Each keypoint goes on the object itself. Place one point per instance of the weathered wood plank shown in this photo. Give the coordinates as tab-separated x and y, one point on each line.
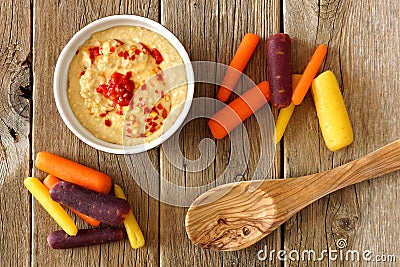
15	114
193	23
364	56
211	31
55	25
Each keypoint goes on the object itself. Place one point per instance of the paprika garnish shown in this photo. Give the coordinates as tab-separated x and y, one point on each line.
119	89
94	52
153	52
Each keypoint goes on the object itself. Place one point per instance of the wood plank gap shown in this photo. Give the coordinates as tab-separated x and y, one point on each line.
30	168
160	13
281	21
159	192
282	143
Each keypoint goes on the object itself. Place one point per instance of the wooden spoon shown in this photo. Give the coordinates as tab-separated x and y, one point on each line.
236	215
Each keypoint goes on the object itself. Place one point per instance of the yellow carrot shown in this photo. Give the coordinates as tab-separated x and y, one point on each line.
285	113
41	194
332	114
133	231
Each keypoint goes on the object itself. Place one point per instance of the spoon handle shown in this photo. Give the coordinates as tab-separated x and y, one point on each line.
377	163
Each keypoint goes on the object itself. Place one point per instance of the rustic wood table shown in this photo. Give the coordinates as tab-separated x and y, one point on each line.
364	53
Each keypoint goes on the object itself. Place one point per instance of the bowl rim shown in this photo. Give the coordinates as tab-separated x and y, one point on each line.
60	84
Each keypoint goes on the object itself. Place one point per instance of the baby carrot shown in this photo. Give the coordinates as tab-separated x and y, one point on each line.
85	237
237	65
133	231
73	172
89	220
309	74
285	113
103	207
278	48
282	121
229	117
332	114
51	180
41	194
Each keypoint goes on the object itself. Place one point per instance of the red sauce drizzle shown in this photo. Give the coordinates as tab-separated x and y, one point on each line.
119	88
107	122
157	56
153	52
94	52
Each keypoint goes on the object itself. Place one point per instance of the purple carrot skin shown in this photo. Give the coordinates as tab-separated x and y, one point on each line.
105	208
86	237
279	69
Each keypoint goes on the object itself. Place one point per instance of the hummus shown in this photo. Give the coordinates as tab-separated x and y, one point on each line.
127	85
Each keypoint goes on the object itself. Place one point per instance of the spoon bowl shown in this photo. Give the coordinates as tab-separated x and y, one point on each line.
236	215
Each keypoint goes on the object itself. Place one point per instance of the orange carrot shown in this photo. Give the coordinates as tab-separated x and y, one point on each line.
229	117
51	180
309	74
86	218
237	65
73	172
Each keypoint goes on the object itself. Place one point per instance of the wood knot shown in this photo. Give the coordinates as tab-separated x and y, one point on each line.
347	224
246	231
221	221
13	134
20	90
240	177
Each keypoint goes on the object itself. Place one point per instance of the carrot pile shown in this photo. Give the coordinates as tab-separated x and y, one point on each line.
284	90
85	192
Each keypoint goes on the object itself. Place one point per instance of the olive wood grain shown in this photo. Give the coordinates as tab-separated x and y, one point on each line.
237	215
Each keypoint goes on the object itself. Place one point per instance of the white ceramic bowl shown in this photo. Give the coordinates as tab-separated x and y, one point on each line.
61	82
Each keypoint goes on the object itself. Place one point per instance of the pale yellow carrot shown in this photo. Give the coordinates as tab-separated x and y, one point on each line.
41	194
332	114
132	228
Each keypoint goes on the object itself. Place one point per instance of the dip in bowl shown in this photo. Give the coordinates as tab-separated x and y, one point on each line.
123	84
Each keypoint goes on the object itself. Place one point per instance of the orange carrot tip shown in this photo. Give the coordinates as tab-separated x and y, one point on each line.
50	180
237	65
309	74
